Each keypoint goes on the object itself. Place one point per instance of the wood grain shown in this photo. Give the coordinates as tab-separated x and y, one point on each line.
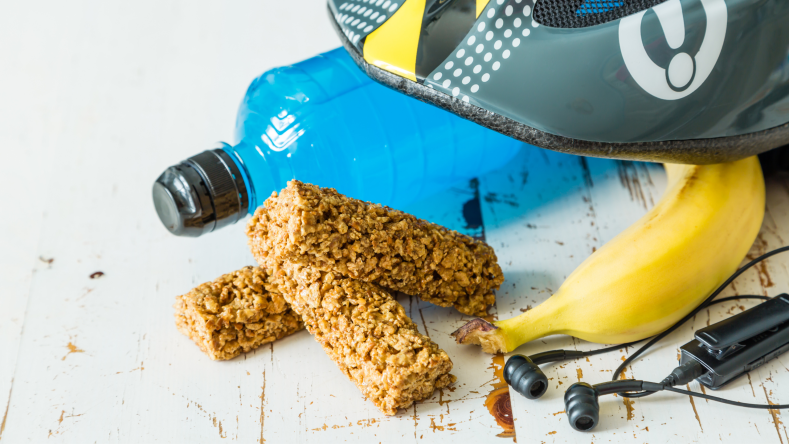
101	96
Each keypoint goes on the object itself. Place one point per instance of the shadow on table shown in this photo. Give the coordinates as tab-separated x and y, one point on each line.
533	179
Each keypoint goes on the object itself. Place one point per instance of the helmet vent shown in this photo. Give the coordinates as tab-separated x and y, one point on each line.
585	13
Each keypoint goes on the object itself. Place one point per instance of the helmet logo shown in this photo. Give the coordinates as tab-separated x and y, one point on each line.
685	74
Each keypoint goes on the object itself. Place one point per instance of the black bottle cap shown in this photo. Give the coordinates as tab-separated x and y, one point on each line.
201	194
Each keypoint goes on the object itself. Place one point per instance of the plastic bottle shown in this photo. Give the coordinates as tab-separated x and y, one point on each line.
323	121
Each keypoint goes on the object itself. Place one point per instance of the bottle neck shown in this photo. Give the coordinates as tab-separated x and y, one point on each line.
262	170
236	153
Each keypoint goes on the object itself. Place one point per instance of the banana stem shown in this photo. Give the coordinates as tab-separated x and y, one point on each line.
509	334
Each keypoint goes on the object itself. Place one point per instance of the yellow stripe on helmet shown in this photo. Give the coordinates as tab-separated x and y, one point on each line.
481	6
393	46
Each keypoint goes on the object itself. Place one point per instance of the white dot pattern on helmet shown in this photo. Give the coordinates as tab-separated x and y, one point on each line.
497	34
358	18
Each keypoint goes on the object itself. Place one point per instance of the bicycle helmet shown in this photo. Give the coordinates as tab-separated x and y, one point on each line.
684	81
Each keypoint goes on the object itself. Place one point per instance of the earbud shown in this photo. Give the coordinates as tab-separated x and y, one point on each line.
580	403
522	374
580	400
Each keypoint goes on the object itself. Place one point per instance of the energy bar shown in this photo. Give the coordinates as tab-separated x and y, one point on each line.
366	332
320	228
238	312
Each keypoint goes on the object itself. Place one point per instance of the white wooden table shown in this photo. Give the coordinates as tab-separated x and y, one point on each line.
97	97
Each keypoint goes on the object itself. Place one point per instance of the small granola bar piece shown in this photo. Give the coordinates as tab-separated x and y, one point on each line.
237	312
368	335
319	227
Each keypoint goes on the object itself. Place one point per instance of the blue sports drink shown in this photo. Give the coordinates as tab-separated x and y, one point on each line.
323	121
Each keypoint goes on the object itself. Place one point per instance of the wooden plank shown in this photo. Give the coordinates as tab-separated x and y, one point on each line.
26	130
106	95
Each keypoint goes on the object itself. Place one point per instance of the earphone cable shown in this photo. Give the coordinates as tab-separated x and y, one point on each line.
728	401
705	304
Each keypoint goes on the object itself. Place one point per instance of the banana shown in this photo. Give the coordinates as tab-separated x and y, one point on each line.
656	271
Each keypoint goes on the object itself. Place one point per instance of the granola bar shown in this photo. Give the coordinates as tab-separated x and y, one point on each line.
321	228
235	313
368	335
